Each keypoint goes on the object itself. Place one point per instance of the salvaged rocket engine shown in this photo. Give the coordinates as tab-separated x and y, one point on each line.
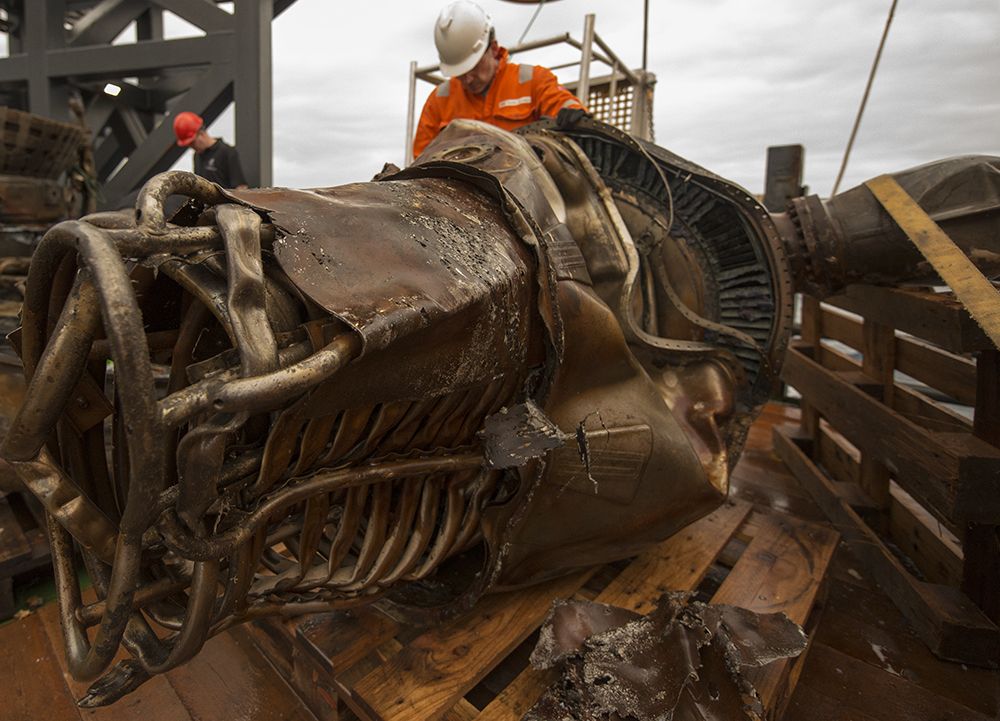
523	355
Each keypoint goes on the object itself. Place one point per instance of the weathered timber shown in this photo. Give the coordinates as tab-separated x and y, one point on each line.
782	570
861	693
955	475
951	625
940	319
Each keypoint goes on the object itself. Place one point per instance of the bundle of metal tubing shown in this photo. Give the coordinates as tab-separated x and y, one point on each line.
141	519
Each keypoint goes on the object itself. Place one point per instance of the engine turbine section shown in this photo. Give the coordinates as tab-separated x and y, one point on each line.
523	355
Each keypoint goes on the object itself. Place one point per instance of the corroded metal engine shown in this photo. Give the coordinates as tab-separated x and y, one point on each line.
523	355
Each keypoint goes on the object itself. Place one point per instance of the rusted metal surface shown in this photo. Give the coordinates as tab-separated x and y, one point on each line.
685	660
528	354
851	238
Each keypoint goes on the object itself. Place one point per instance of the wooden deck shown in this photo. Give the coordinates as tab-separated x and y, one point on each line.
863	664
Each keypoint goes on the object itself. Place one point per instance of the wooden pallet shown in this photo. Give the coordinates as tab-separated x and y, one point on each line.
364	664
23	548
896	470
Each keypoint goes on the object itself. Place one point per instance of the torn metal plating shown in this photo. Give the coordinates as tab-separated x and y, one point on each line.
684	661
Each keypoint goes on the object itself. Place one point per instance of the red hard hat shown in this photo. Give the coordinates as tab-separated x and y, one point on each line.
186	126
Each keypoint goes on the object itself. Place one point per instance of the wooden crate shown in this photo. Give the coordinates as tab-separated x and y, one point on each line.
912	483
364	664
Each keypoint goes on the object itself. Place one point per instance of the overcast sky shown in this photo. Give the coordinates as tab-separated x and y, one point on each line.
734	76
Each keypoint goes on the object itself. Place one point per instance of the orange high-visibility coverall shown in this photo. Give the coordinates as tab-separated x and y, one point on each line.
518	95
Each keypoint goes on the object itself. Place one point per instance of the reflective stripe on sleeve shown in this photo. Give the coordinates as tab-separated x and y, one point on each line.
444	89
524	73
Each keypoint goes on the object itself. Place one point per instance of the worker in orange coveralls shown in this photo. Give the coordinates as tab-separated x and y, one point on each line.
483	84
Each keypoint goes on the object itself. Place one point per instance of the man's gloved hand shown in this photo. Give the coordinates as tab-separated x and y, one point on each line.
568	117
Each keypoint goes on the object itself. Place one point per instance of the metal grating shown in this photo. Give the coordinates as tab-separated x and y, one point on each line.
612	108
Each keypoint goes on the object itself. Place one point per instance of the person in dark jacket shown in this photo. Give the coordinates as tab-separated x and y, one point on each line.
214	159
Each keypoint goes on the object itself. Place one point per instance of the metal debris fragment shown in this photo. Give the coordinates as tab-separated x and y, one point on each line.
685	660
513	436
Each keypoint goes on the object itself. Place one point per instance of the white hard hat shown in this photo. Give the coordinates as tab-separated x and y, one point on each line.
461	34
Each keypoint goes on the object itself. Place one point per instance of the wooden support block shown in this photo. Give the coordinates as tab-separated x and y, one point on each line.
948	622
7	607
954	475
879	364
812	332
14	546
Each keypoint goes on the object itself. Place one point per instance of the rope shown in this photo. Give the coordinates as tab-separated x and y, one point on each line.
864	99
531	22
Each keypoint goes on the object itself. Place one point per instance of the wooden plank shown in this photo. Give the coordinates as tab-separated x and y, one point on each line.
865	625
934	550
514	701
863	691
338	640
843	327
14	546
947	621
981	573
931	316
949	373
434	671
32	686
878	363
781	570
930	466
914	406
155	700
812	332
679	563
955	268
229	678
810	705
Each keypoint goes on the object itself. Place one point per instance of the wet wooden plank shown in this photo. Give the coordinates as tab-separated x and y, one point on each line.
230	679
340	639
429	676
862	691
32	686
155	700
866	626
781	570
808	704
679	563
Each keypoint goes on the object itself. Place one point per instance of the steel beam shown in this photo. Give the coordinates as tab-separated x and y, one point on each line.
253	89
57	46
142	58
201	13
105	21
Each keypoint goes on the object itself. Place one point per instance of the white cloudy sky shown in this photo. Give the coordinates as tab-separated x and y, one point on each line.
734	76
